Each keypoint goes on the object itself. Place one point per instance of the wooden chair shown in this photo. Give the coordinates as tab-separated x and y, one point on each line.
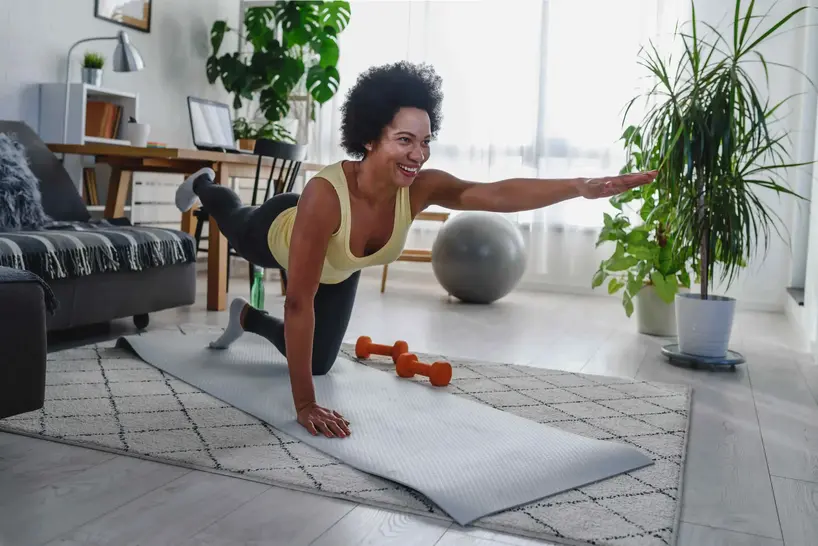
287	159
416	255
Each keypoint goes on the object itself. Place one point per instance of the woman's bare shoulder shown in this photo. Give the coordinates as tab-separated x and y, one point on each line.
320	202
319	190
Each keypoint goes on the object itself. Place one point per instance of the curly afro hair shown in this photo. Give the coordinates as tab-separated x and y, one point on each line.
379	93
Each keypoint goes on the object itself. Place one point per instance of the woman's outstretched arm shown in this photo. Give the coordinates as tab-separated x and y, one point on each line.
518	194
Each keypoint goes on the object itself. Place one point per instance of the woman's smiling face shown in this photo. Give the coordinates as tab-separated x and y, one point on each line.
403	147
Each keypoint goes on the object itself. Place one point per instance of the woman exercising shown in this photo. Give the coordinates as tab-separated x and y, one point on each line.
355	214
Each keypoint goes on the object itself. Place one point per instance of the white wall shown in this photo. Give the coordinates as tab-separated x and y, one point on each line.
35	36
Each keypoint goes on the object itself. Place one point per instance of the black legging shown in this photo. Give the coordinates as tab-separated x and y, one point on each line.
245	228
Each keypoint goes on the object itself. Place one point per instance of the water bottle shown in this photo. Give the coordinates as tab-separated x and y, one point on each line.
257	290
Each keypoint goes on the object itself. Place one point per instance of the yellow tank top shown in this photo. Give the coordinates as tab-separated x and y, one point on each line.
339	262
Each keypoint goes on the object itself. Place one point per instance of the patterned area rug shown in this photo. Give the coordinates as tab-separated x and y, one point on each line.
106	398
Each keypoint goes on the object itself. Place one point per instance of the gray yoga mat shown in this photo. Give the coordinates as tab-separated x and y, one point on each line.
468	458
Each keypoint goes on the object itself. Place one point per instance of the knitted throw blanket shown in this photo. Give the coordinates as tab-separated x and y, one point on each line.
66	250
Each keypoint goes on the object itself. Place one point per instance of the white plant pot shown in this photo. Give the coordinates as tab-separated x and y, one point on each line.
654	316
704	326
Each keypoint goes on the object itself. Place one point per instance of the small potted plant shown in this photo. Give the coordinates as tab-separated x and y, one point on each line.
247	132
92	65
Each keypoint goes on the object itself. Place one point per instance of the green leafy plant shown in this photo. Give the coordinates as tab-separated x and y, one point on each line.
93	60
713	134
642	254
293	45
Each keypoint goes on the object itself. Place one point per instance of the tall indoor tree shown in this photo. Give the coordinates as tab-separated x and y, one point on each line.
718	152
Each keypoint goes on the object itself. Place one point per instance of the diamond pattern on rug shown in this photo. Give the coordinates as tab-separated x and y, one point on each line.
105	397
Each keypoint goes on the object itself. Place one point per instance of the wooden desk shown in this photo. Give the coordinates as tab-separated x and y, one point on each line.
126	160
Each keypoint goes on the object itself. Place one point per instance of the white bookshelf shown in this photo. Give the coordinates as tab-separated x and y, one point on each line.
52	110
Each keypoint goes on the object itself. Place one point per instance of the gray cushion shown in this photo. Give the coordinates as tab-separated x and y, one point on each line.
60	197
21	206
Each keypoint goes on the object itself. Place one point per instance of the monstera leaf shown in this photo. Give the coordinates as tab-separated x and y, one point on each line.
274	105
323	82
299	21
234	74
267	63
257	27
217	32
334	14
274	99
290	71
212	69
326	47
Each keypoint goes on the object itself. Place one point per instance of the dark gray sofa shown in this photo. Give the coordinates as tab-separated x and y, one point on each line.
98	270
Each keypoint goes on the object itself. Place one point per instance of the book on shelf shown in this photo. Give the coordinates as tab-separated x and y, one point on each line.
102	119
89	180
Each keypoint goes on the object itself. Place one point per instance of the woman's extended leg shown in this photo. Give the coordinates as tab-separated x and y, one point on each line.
245	227
333	308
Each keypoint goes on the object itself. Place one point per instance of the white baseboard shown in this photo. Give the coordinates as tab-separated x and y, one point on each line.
796	314
797	317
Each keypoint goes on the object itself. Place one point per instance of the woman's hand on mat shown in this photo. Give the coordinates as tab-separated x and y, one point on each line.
320	420
596	188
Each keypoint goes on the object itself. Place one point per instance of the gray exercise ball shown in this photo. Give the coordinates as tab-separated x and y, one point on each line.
478	257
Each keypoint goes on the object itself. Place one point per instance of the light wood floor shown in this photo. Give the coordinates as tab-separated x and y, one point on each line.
752	471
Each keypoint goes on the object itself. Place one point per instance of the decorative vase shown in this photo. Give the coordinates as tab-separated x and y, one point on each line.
92	76
654	316
704	325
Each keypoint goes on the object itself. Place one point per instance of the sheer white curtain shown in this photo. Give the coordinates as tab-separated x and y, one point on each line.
532	88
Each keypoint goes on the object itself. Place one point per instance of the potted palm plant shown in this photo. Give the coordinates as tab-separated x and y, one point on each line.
718	152
642	264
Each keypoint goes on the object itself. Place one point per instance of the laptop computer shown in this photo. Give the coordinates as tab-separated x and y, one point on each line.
211	124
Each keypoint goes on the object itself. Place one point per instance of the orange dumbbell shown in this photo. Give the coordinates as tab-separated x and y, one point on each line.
365	347
439	373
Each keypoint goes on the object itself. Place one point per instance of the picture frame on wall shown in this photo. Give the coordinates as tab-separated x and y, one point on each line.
135	14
